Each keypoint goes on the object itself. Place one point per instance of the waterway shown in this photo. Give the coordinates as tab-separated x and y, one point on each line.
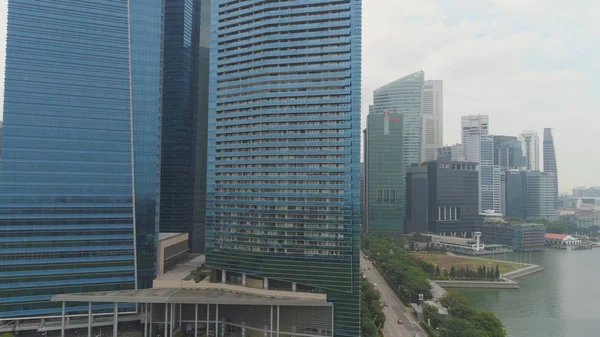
563	300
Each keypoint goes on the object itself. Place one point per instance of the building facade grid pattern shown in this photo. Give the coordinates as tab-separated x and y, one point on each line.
283	180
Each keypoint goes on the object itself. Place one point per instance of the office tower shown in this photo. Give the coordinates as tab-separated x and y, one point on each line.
444	196
384	174
549	154
531	195
531	149
541	196
404	96
283	179
508	153
433	119
79	183
490	184
451	153
515	194
417	198
478	147
185	119
472	127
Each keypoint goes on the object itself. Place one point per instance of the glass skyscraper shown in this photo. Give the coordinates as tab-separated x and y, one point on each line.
405	96
79	179
184	119
384	175
283	187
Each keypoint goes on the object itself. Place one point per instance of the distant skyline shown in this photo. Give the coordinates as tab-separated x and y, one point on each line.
527	64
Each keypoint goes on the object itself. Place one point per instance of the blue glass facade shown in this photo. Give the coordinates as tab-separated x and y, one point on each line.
184	121
81	121
283	187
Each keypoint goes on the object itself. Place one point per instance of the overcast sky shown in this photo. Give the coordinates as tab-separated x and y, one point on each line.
528	64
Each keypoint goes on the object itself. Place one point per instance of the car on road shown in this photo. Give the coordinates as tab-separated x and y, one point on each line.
385	304
400	321
369	268
374	284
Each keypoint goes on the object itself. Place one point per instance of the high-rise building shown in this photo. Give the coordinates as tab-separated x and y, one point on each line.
451	153
184	119
384	174
417	200
490	177
472	127
514	194
508	153
531	195
478	147
442	198
549	154
433	119
541	196
363	211
404	96
283	179
530	143
80	161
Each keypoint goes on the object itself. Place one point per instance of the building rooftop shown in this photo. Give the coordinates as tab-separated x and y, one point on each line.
165	236
558	236
227	295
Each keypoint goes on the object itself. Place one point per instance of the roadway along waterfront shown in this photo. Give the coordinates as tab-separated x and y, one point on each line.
395	310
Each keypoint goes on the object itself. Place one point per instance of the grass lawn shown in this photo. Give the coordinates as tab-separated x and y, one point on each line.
446	261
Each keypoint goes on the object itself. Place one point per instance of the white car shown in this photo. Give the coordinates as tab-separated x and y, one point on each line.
374	284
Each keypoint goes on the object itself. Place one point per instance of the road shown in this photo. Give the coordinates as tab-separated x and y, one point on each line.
395	310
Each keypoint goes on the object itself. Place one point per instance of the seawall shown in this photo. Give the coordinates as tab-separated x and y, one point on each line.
534	268
508	284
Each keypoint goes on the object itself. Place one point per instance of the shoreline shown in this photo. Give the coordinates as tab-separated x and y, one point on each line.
509	279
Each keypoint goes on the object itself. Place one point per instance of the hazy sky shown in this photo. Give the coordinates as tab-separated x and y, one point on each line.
528	64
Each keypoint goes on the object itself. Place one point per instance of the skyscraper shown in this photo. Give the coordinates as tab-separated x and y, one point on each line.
404	96
478	147
541	196
549	154
184	119
433	119
508	153
490	187
530	143
472	127
283	186
79	183
384	174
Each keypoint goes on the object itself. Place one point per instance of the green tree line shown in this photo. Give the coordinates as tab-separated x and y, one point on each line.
481	273
408	275
371	310
462	321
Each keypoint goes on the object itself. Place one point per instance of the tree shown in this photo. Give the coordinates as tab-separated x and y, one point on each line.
458	327
457	305
432	314
497	273
437	270
178	333
452	272
488	322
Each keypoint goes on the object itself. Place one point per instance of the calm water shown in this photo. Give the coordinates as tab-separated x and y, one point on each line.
561	301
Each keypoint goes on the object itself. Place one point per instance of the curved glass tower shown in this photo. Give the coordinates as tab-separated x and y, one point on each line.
79	179
283	187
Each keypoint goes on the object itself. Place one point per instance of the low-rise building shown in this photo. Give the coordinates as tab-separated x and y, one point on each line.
523	237
561	240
